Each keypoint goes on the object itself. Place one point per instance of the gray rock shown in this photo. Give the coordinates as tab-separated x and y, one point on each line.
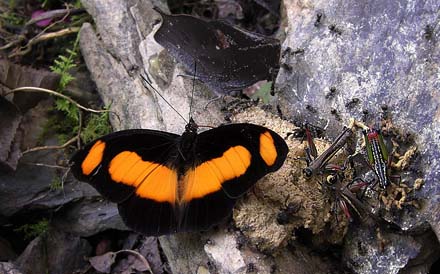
223	251
30	187
88	217
184	252
378	53
55	252
9	268
10	137
366	252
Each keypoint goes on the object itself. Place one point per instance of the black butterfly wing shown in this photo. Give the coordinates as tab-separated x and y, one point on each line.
138	169
228	59
231	159
133	168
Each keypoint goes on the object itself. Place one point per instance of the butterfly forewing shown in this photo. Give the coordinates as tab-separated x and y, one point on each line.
115	164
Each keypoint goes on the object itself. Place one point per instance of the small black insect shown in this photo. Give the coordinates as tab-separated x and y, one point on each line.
251	268
331	94
311	109
300	132
289	51
335	113
319	17
287	214
298	51
365	114
385	112
287	67
429	32
280	112
352	103
333	28
286	52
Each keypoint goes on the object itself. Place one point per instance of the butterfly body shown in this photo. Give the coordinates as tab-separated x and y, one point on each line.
166	183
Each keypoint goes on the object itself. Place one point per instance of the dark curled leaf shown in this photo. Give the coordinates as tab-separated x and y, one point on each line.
14	76
10	118
228	59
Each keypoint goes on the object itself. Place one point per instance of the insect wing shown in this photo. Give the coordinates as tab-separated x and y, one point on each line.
311	144
115	164
383	148
230	160
368	148
228	59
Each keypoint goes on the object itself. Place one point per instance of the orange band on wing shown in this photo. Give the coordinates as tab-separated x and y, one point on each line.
151	180
268	150
93	158
210	175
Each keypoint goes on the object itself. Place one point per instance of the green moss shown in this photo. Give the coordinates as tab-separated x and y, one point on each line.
56	183
66	125
96	126
11	18
31	231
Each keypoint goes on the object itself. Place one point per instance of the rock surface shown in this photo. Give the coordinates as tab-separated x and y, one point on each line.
357	58
56	251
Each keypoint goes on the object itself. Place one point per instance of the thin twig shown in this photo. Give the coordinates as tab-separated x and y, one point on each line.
63	179
27	47
54	14
66	144
35	89
78	135
44	37
46	165
17	41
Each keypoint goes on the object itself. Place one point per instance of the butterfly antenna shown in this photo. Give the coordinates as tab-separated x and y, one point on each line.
193	88
147	83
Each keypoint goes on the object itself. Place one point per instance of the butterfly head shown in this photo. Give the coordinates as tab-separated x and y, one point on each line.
191	127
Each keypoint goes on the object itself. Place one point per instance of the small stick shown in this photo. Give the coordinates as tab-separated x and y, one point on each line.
44	37
46	165
51	147
35	89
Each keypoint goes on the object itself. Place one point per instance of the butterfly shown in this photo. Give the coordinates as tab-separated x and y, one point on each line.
229	59
166	183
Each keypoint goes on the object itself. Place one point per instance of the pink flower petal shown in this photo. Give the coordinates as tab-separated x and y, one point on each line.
41	23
